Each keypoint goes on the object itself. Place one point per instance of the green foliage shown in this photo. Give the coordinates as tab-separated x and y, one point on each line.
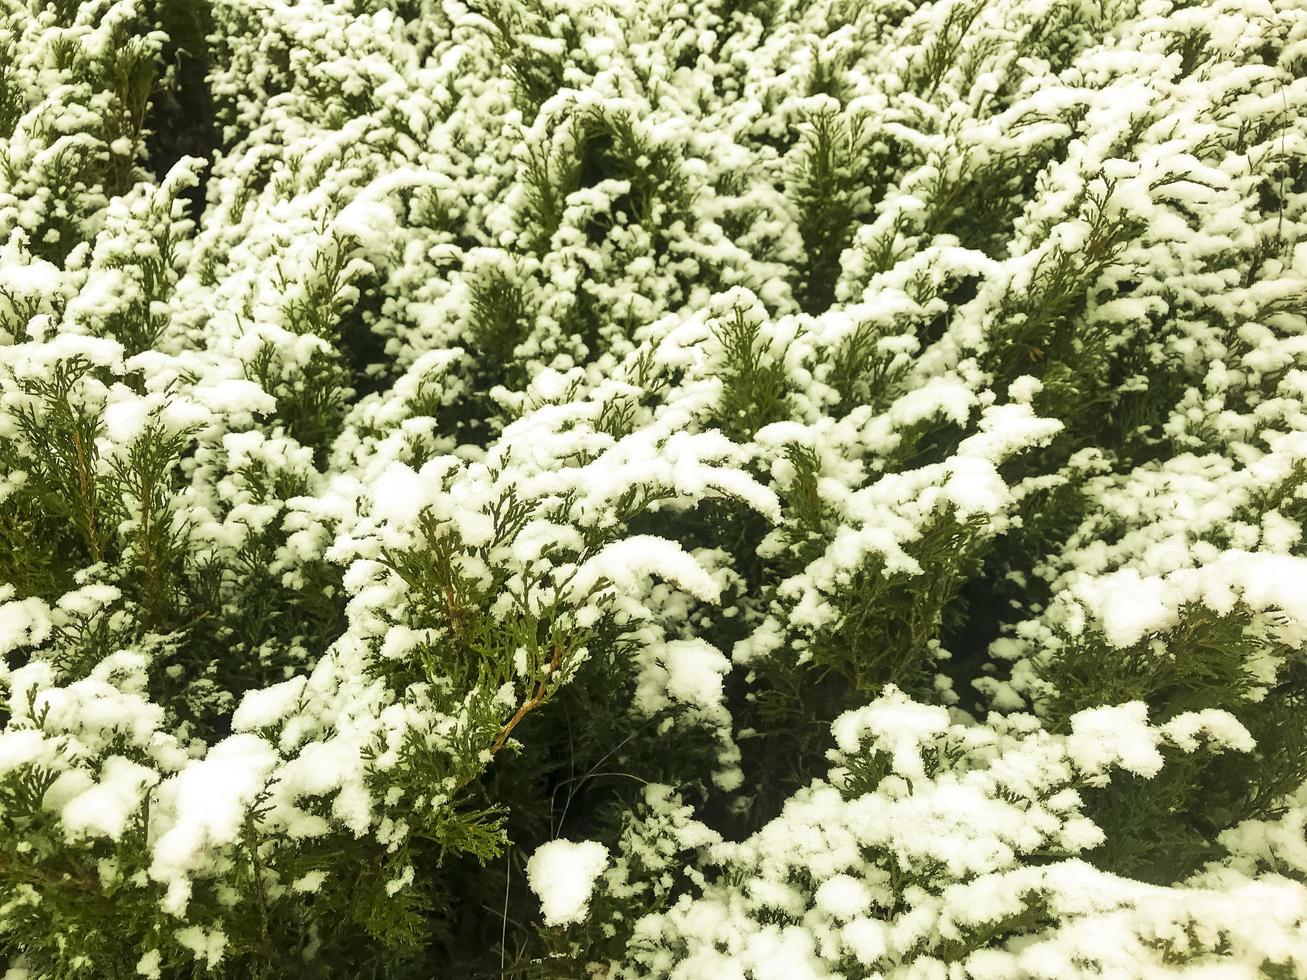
941	51
311	397
1039	329
863	369
978	201
612	147
537	74
836	179
808	517
181	115
1203	662
888	623
60	437
499	319
1164	827
753	378
154	547
548	177
11	99
132	73
885	629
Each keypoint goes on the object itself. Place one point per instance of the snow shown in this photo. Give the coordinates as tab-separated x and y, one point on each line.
1132	606
1024	389
205	804
896	724
1221	728
232	396
843	897
695	671
865	937
149	964
399	495
319	768
208	945
104	809
18	748
947	397
22	622
38	278
267	706
126	418
396	885
628	563
365	220
563	874
1115	736
179	414
309	883
1266	581
974	486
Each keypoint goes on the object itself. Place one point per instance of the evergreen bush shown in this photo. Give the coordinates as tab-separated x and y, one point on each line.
565	488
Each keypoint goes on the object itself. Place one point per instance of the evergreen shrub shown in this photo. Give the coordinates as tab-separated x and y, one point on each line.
701	490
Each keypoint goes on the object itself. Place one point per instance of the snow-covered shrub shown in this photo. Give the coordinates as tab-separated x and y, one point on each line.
572	489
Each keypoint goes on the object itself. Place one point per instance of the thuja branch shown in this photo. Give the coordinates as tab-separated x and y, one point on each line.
86	498
537	698
31	874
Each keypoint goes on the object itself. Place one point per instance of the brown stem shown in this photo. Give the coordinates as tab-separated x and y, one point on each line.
85	488
452	609
256	871
35	876
147	550
444	568
530	704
